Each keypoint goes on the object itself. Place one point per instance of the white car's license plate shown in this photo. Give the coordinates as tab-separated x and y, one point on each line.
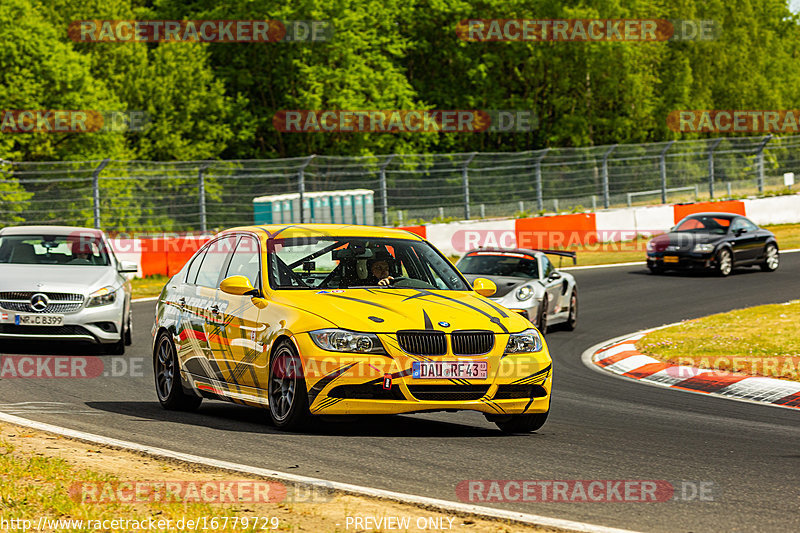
39	320
450	369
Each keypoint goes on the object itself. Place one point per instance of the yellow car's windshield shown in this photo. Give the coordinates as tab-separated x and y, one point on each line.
358	262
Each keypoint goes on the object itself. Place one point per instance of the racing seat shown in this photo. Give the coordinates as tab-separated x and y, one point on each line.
24	254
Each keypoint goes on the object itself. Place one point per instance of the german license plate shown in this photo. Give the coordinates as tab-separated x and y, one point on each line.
450	369
39	320
670	258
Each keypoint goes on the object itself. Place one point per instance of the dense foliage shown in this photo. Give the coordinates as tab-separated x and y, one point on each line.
218	100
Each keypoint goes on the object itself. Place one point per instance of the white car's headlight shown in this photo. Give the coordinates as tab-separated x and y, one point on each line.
524	293
341	340
528	341
703	248
104	296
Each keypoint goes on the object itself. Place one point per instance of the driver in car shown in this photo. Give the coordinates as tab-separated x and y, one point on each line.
379	269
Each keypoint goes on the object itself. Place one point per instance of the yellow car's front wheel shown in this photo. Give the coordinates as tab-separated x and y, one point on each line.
288	397
168	378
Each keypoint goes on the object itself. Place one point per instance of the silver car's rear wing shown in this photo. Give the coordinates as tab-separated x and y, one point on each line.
562	253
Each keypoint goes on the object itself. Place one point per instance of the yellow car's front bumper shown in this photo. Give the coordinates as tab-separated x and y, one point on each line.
349	383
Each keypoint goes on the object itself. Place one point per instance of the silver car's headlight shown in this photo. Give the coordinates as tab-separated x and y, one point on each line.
703	248
341	340
528	341
104	296
524	293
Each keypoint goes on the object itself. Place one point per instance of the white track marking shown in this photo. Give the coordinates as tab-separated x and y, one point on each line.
440	505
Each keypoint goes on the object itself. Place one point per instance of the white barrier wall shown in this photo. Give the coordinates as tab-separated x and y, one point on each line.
776	210
455	238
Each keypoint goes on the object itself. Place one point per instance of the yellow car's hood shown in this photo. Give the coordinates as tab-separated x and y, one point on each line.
390	310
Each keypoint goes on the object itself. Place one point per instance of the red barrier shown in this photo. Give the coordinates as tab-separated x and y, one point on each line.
419	230
730	206
167	256
557	231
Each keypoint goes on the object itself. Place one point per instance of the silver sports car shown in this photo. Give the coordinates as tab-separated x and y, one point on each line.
63	283
527	283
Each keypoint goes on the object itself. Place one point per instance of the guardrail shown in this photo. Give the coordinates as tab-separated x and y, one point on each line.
408	188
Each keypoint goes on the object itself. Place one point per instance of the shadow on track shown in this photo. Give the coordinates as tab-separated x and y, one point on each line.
230	417
51	348
738	271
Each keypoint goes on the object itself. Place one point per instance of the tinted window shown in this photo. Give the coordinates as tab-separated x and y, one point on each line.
246	261
743	223
499	264
547	267
346	262
214	261
705	223
75	250
191	275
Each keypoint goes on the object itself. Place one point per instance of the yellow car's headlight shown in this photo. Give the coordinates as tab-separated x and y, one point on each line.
104	296
529	341
342	340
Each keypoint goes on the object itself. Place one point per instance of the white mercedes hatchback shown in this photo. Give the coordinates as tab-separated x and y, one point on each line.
63	283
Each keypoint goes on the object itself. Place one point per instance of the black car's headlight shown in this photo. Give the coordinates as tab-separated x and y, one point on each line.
528	341
703	248
342	340
525	293
651	246
104	296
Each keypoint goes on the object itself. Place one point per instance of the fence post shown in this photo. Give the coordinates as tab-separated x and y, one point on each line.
201	193
539	191
384	198
711	168
465	183
663	165
301	186
760	162
96	190
606	195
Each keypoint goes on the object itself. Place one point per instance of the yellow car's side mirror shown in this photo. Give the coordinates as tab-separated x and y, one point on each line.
238	285
484	287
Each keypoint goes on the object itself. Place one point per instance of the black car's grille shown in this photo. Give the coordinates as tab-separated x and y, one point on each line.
513	392
448	393
44	331
59	302
422	342
366	391
472	342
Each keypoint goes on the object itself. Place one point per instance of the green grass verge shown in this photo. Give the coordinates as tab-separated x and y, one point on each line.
149	286
762	341
33	487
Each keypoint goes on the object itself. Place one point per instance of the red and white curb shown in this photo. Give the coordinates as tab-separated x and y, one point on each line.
620	356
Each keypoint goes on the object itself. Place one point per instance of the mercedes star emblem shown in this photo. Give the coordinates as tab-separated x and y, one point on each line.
39	302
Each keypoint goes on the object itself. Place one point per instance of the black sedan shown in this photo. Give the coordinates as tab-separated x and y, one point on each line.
713	241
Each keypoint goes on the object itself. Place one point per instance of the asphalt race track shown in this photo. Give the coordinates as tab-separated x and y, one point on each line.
600	427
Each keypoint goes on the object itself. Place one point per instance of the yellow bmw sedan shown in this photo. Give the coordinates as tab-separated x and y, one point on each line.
316	319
